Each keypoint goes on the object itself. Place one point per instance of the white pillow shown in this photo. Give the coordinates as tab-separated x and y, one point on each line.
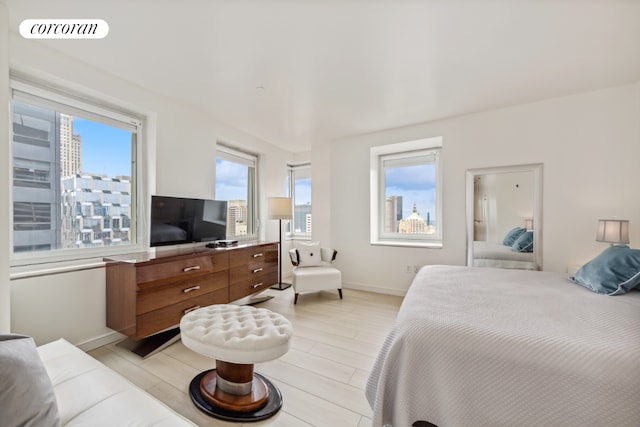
309	254
26	394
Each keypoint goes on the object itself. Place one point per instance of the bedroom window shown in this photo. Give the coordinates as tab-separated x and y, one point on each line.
236	183
74	176
406	194
299	189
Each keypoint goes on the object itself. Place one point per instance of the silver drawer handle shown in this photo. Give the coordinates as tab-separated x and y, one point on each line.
257	285
193	268
257	255
190	309
193	288
257	270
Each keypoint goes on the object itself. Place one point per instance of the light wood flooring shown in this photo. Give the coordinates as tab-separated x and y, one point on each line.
322	378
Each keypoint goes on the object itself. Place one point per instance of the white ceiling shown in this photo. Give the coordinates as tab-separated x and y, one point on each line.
333	68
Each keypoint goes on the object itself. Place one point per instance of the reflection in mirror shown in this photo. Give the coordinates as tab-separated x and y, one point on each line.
503	217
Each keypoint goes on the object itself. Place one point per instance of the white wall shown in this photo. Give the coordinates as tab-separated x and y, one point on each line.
72	305
5	288
589	144
502	201
514	202
321	195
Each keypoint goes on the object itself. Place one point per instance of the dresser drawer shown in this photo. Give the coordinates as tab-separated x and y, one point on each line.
157	320
186	267
257	283
152	297
253	254
246	272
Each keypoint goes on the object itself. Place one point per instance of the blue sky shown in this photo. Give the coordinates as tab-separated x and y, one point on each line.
231	180
303	191
231	183
105	149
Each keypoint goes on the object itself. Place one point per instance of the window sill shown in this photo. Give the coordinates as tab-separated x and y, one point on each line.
47	269
297	237
408	244
37	264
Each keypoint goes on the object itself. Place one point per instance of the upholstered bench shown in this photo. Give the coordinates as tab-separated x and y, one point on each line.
236	337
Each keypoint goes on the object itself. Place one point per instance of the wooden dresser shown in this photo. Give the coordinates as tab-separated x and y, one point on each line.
147	294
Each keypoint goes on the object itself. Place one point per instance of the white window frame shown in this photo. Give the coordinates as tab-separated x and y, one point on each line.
54	96
230	154
399	152
292	169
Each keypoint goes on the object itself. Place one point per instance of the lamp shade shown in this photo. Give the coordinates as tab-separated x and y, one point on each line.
528	223
279	208
613	231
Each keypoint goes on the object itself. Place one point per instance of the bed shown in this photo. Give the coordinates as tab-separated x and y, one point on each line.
499	347
489	254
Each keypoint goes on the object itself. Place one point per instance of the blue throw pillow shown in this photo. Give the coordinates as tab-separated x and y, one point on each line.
512	235
614	272
524	243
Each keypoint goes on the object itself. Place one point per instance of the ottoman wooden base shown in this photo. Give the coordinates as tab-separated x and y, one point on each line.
207	402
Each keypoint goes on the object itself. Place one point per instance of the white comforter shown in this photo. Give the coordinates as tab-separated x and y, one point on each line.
492	347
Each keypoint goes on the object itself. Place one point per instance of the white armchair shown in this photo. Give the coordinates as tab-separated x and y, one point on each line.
313	270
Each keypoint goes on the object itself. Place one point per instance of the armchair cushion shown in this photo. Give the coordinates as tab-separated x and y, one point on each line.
308	254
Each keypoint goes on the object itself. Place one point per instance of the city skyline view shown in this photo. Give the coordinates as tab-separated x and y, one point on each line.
64	180
416	185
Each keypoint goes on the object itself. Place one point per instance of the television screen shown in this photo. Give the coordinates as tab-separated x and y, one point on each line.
210	220
176	220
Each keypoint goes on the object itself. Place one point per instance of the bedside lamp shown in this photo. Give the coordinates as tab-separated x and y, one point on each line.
280	208
614	231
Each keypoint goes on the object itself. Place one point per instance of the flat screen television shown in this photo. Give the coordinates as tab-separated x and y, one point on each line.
178	220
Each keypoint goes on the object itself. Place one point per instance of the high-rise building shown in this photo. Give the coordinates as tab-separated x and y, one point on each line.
415	224
36	178
302	218
307	223
393	213
237	218
70	147
96	211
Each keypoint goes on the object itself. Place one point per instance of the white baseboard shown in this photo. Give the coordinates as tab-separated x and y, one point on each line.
375	289
100	341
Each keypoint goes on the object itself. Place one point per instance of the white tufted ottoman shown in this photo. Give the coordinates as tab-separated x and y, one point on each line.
236	337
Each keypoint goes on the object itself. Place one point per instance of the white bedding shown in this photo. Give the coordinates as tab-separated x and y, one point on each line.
493	347
489	254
